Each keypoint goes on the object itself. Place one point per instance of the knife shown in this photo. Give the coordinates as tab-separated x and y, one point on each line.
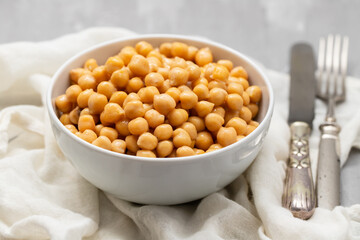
299	193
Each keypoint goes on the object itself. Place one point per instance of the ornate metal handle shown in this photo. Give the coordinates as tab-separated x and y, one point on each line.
328	172
299	192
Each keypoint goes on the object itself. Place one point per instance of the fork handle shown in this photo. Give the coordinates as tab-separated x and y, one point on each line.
299	193
328	172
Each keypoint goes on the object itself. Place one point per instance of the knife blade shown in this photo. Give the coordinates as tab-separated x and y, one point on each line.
299	193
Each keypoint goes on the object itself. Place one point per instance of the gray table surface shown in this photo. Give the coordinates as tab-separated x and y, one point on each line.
263	29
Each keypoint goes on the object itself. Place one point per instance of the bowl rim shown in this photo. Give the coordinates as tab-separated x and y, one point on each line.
200	40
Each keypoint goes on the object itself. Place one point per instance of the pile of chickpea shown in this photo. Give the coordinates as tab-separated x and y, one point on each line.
170	101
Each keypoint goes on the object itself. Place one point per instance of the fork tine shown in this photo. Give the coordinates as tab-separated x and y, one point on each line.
321	64
344	63
329	61
336	63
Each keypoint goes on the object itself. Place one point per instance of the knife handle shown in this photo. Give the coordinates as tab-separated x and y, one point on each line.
299	193
328	172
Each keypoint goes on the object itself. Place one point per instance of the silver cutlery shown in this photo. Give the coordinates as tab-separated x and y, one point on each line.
331	76
299	193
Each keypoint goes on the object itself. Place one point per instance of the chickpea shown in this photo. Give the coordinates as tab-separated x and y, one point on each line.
74	115
143	48
131	97
86	122
202	91
208	70
134	85
179	49
217	96
164	103
98	129
87	81
131	143
163	132
219	110
174	93
97	103
194	72
145	153
235	88
82	99
177	117
122	127
147	94
138	126
245	114
155	53
73	92
147	141
118	97
139	65
164	148
239	137
166	86
100	74
184	88
118	145
134	109
90	64
213	122
244	83
229	114
154	118
254	109
203	140
246	98
63	103
86	111
127	53
65	119
71	128
203	108
254	93
178	62
234	101
198	122
76	73
201	80
112	64
184	151
216	84
154	79
178	76
220	73
198	151
254	123
238	124
188	99
192	53
165	49
249	129
88	135
203	57
190	129
154	64
106	88
113	113
164	72
102	142
147	107
226	63
181	139
214	147
120	78
239	72
226	136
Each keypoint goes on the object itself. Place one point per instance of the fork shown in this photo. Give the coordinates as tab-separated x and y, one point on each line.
331	76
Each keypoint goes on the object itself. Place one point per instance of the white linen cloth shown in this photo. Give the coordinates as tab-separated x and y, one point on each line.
43	197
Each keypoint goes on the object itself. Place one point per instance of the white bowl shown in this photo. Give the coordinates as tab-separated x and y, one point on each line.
160	180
